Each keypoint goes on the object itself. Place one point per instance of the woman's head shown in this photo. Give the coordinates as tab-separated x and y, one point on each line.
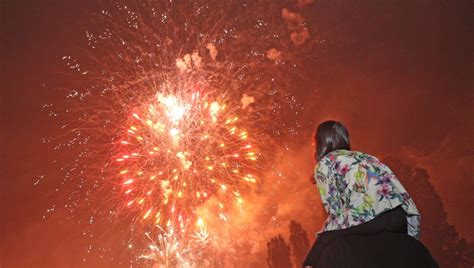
330	136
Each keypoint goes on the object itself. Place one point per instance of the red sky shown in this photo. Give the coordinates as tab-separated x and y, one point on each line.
399	74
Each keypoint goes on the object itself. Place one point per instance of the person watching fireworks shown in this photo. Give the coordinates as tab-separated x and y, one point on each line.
372	220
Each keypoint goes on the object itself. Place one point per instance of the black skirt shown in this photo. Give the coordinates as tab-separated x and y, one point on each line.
381	242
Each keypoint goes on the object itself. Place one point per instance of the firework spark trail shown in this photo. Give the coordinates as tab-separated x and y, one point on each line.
175	105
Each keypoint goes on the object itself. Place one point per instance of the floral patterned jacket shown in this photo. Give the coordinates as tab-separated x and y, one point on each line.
357	187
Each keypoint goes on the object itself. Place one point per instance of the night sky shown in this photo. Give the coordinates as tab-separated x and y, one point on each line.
399	74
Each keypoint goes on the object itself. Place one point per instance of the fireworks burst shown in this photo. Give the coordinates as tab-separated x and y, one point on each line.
181	150
172	111
175	247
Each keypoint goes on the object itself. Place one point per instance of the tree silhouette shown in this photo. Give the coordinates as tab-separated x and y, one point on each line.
441	238
278	253
299	242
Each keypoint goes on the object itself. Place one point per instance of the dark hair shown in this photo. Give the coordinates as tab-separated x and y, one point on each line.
330	136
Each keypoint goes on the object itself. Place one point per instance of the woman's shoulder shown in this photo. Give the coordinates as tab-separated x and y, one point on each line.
340	155
340	158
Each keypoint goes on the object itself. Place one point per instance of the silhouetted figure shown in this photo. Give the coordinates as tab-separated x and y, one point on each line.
278	253
441	238
372	220
299	242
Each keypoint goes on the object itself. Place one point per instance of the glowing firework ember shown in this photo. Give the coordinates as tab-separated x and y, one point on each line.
182	149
